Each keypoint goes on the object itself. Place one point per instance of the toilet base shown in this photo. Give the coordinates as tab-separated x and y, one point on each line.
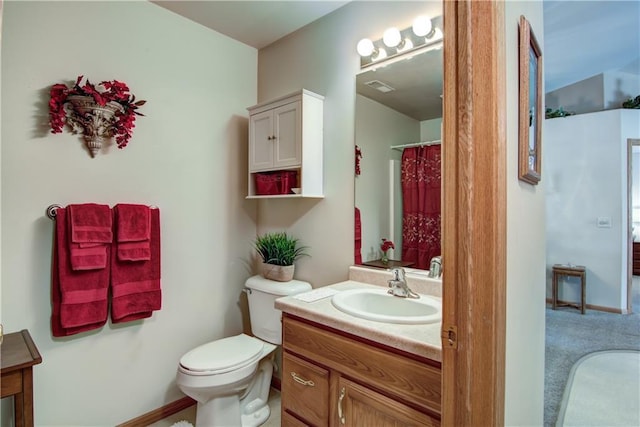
232	410
257	418
223	410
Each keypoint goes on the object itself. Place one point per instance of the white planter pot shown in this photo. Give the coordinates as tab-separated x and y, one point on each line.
279	273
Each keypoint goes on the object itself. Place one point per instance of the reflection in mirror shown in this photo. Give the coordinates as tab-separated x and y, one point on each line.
398	126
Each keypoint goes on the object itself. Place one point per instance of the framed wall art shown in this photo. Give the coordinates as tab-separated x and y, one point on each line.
530	106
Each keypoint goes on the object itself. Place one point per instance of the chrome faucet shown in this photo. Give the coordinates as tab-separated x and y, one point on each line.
398	285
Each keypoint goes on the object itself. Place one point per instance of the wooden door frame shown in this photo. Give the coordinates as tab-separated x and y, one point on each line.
630	143
474	214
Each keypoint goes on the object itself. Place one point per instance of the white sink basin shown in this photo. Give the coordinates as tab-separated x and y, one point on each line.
378	305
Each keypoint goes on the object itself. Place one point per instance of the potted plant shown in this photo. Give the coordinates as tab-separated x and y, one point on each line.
278	251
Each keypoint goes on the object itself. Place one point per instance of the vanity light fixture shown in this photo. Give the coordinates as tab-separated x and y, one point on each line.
366	48
392	38
395	42
422	27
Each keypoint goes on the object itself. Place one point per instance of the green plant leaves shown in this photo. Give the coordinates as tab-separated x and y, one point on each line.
278	248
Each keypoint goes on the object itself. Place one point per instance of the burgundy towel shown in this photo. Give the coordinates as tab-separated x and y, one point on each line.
79	297
357	238
90	228
133	232
135	286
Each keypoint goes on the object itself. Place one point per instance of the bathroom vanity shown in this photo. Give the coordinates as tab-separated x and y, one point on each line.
342	370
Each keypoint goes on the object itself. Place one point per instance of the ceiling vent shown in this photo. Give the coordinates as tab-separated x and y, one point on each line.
378	85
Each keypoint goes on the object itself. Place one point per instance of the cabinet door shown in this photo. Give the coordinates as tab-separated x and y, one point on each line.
261	141
360	406
287	121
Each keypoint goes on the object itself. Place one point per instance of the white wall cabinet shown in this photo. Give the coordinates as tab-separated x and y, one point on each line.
275	138
286	134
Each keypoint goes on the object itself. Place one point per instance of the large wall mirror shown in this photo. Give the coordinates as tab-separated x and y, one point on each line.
398	124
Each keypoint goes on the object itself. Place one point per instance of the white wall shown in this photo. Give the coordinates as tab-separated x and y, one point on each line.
431	130
604	91
586	162
524	397
187	156
581	97
377	128
620	86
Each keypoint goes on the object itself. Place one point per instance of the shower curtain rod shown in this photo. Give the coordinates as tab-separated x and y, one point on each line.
416	144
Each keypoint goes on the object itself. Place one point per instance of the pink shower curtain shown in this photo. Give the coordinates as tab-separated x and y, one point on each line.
420	172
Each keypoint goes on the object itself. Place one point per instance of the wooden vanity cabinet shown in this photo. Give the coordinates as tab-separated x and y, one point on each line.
331	378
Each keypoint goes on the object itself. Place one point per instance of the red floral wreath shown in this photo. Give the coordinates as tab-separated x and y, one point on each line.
110	91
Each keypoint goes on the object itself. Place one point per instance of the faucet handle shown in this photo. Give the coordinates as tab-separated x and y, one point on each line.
398	273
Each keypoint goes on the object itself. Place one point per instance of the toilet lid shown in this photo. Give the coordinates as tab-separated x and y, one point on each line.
223	355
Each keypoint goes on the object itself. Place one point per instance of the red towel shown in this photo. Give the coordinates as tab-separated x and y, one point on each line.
90	228
357	240
135	286
133	232
79	297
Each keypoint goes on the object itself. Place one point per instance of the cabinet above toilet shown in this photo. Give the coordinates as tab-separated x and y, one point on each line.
286	147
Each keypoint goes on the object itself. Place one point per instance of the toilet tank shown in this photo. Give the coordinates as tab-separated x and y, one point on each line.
265	318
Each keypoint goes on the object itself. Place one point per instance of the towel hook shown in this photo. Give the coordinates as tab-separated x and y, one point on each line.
51	211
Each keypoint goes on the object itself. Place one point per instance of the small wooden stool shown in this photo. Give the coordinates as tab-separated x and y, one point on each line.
569	270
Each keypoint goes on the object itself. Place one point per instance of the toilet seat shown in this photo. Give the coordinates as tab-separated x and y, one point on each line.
224	355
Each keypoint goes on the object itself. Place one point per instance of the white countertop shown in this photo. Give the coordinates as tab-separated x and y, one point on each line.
422	340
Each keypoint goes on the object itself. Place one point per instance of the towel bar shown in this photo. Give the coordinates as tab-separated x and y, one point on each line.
51	210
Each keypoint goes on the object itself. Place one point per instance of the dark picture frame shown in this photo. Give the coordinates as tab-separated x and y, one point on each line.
530	105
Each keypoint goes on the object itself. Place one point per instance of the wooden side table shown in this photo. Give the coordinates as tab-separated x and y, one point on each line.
18	355
569	270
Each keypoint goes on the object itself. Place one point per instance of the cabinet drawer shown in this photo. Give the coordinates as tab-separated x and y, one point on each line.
406	379
305	390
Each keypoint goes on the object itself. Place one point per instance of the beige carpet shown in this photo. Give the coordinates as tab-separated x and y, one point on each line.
603	390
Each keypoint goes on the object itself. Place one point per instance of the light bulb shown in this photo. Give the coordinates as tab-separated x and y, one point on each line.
422	26
392	37
381	55
406	44
365	47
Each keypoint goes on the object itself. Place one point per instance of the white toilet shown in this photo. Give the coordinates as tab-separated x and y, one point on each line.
230	378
